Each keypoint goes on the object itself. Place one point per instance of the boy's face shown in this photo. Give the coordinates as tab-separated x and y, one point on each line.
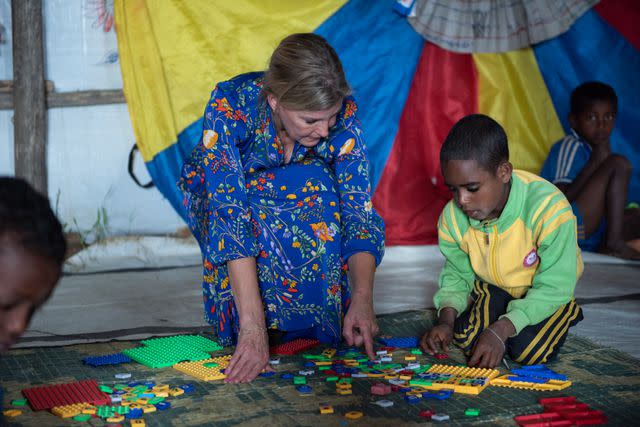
26	281
595	123
479	193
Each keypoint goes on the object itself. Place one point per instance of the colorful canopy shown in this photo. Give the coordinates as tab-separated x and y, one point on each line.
410	91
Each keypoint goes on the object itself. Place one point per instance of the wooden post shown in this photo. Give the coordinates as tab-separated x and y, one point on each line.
30	114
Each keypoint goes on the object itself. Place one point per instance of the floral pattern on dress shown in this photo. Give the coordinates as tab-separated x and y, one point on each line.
301	220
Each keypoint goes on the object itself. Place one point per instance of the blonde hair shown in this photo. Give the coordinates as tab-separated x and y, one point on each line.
305	73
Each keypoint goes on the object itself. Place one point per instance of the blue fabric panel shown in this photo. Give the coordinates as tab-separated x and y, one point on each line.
166	166
379	51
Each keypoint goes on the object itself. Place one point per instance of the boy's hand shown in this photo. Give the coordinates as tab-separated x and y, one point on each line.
487	351
437	340
490	347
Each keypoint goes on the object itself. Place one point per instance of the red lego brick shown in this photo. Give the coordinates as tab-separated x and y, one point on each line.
546	419
426	413
584	418
559	407
47	397
381	389
557	400
441	356
293	347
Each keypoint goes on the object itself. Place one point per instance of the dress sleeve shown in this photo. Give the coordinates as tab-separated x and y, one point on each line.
362	229
213	184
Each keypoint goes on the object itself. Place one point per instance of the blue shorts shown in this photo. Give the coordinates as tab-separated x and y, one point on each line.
591	243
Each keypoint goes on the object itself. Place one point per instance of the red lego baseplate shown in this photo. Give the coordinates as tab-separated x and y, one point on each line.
47	397
293	347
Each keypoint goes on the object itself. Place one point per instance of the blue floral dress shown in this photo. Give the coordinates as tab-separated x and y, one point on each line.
301	220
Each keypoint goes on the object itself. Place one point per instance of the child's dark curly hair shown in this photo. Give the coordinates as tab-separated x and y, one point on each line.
26	216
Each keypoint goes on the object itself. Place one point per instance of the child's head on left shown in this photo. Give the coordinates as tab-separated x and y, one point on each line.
594	106
475	164
32	249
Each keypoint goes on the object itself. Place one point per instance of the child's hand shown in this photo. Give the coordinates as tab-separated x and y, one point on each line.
437	340
487	352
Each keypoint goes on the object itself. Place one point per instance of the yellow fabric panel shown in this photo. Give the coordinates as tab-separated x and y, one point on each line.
172	52
512	91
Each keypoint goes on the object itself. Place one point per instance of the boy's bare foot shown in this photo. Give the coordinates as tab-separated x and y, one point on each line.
621	250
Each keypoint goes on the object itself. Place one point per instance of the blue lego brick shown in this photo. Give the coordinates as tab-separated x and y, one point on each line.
267	374
528	379
440	395
286	376
412	399
304	389
134	414
161	406
400	342
539	373
107	359
188	388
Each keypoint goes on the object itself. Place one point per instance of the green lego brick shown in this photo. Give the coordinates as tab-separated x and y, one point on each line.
472	412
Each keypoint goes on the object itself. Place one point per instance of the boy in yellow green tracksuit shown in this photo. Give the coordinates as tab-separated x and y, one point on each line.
512	258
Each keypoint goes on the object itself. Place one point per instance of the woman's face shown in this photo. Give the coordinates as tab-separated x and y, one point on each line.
306	127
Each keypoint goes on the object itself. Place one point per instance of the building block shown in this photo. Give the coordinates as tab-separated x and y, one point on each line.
383	403
68	411
426	413
82	417
47	397
19	402
188	388
196	342
459	379
107	359
163	406
123	376
380	389
440	417
504	381
11	413
138	423
205	370
164	356
326	409
441	356
116	418
299	380
539	371
304	389
399	342
353	415
293	347
472	412
550	419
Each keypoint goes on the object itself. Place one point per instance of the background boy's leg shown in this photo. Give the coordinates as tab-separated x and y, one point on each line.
604	196
540	343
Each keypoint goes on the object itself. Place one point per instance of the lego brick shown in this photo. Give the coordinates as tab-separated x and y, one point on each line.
293	347
47	397
107	359
193	341
205	370
550	419
440	417
68	411
472	412
353	415
19	402
326	409
459	379
383	403
504	381
399	342
11	413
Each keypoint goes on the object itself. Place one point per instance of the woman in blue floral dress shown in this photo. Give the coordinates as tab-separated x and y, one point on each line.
279	198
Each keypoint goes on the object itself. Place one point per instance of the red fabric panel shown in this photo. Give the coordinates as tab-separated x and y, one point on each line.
623	15
411	192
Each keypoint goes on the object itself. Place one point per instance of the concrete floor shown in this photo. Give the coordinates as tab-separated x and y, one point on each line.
136	304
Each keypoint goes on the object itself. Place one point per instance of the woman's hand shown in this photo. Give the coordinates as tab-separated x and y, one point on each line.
360	326
251	356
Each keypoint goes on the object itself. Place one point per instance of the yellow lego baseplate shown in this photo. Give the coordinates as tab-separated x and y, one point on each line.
205	370
461	378
504	381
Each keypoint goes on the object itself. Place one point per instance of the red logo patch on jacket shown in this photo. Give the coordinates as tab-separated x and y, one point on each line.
531	258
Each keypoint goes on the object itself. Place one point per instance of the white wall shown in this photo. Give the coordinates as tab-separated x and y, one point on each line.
88	147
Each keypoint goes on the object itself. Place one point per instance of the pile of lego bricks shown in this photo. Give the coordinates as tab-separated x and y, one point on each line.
602	378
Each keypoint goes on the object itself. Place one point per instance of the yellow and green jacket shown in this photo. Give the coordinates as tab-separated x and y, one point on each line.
530	251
